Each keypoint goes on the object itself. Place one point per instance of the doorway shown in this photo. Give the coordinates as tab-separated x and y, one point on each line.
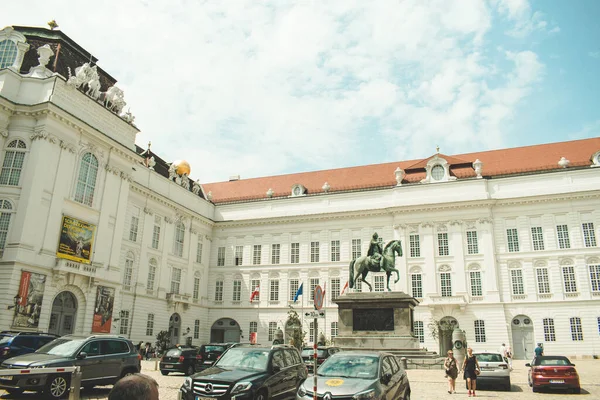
446	328
62	316
225	330
522	338
174	329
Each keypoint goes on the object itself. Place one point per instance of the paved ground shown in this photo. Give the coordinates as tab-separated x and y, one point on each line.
426	385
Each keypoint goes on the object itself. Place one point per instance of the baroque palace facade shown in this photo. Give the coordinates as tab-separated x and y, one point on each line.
98	235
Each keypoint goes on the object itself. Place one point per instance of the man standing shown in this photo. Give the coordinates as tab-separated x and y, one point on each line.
503	350
539	350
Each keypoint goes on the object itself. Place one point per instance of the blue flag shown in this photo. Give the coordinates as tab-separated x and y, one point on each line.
298	292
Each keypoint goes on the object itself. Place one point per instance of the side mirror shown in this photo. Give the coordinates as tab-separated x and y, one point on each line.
82	355
386	378
572	365
528	365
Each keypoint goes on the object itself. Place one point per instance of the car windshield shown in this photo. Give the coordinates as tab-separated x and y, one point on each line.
255	359
173	353
5	339
489	357
208	349
350	366
311	352
554	361
61	347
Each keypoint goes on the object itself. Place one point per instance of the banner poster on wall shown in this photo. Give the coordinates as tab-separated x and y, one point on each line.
253	337
28	301
105	298
76	240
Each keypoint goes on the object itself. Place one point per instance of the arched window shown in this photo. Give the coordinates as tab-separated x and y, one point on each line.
151	274
179	236
5	213
86	182
8	53
127	275
13	163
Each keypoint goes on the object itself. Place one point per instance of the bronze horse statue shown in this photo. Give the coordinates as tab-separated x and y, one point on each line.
360	267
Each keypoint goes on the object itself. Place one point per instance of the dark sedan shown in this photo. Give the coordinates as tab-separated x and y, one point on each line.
553	372
179	359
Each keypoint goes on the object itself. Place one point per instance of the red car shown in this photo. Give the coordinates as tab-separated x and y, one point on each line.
553	372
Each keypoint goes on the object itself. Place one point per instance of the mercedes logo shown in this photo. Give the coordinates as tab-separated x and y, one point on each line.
327	396
208	388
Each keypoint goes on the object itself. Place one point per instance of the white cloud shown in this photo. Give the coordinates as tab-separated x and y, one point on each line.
525	21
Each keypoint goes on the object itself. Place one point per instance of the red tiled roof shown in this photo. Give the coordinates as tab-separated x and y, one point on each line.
543	157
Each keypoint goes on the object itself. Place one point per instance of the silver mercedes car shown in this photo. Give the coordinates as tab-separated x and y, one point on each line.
358	376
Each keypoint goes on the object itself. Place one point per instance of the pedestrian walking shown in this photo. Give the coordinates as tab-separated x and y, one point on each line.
471	370
451	371
509	356
539	350
148	351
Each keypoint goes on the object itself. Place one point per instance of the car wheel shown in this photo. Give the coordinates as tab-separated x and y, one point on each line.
15	392
57	386
535	390
507	386
190	370
262	395
164	372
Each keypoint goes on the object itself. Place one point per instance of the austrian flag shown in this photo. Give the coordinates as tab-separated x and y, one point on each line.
255	294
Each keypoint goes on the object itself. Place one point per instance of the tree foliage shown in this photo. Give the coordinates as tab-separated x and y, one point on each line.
163	339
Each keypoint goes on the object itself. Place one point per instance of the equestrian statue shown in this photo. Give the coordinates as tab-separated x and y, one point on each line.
377	259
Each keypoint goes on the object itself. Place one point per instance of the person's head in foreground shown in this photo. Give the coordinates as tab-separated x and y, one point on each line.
135	387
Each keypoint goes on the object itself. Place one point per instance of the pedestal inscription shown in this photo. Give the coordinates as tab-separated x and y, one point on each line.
373	319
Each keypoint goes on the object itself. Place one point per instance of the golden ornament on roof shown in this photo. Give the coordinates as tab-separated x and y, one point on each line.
182	167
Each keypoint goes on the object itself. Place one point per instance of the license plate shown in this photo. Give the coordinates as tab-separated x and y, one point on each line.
204	398
168	366
487	369
207	362
8	378
557	381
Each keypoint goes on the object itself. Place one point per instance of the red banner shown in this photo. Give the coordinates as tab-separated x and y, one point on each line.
24	287
253	337
105	298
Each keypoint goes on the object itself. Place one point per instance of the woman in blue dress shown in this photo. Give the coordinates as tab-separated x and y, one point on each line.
471	370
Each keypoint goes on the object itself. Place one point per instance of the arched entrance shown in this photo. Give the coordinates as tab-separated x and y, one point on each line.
522	337
225	330
445	329
62	316
174	328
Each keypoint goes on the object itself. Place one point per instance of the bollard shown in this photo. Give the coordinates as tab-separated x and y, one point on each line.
156	364
75	384
404	362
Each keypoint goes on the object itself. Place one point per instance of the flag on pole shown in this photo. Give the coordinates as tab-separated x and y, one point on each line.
255	293
345	287
298	292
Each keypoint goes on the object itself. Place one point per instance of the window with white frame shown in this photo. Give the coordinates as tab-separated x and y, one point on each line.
152	266
86	181
6	211
255	283
419	331
156	232
512	238
589	234
598	325
314	282
415	245
219	290
378	282
443	248
237	290
479	331
543	282
175	280
294	285
335	250
446	284
594	277
356	248
295	253
14	157
472	244
334	330
274	290
416	285
150	325
197	329
8	53
221	256
562	232
537	238
196	292
314	252
199	250
576	329
335	288
311	332
358	285
272	330
569	279
475	278
253	328
239	255
134	224
124	328
516	279
549	333
179	238
275	253
128	271
256	254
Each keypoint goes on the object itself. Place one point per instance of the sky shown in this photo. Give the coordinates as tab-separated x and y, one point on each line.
259	88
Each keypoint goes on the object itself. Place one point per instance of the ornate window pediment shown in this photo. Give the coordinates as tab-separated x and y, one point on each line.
438	170
444	268
298	190
596	159
13	46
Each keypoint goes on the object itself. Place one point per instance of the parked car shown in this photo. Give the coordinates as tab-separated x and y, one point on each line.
14	344
553	372
358	375
179	359
249	372
323	353
103	359
494	370
209	353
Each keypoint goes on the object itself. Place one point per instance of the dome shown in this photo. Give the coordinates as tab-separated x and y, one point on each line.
182	167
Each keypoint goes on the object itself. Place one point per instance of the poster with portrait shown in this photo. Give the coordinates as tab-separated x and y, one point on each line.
105	298
28	301
76	240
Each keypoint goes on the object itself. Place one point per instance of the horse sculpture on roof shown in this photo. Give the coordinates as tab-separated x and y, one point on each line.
360	267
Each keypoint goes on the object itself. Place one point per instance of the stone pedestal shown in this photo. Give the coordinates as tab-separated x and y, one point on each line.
376	321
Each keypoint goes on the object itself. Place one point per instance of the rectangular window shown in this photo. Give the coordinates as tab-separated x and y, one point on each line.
197	329
311	332
476	289
443	248
334	330
446	284
151	274
415	245
272	330
239	255
274	290
358	285
378	282
595	277
537	238
589	234
314	252
128	273
419	331
255	283
294	285
356	248
569	279
179	239
155	236
124	328
516	279
295	253
576	330
335	288
314	282
256	254
150	325
275	253
416	285
196	292
133	227
199	252
562	232
219	290
175	280
479	331
253	327
237	290
543	283
512	238
472	244
598	325
220	256
549	333
335	250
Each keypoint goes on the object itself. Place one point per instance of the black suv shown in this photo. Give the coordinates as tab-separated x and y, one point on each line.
104	359
210	353
14	344
179	359
249	372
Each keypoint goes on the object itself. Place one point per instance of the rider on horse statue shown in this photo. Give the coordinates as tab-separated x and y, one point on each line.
376	253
